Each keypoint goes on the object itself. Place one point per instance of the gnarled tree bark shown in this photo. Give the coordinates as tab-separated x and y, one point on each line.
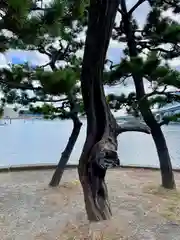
99	151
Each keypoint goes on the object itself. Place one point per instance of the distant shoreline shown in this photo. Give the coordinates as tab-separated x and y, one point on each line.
40	167
123	118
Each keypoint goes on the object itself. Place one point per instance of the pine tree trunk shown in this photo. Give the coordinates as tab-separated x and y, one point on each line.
67	152
164	157
159	139
100	148
160	142
74	108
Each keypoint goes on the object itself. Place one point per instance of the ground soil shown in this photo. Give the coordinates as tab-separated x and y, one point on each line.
30	210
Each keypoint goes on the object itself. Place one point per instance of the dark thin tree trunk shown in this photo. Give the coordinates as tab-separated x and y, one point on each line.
160	142
67	152
74	108
100	148
164	157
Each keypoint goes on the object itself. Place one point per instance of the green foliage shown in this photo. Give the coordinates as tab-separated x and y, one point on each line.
174	5
16	13
30	23
152	70
149	68
156	44
159	101
49	111
116	102
173	118
152	62
128	102
63	111
58	82
49	83
120	71
52	30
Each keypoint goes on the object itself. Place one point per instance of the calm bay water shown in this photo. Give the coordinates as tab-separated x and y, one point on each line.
38	142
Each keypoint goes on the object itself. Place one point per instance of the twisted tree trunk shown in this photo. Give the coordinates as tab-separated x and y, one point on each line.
100	148
99	151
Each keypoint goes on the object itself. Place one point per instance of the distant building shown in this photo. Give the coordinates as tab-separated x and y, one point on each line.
10	113
27	114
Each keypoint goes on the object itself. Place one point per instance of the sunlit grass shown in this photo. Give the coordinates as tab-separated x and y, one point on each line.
162	192
70	185
169	201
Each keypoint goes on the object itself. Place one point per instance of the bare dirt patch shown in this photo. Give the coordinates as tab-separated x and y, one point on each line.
30	210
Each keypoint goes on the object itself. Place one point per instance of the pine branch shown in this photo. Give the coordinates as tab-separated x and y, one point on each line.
42	50
159	49
60	55
21	86
170	95
155	92
135	6
45	65
120	11
111	64
163	122
36	8
139	30
47	100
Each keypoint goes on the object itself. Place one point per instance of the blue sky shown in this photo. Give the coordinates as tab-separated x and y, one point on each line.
19	57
